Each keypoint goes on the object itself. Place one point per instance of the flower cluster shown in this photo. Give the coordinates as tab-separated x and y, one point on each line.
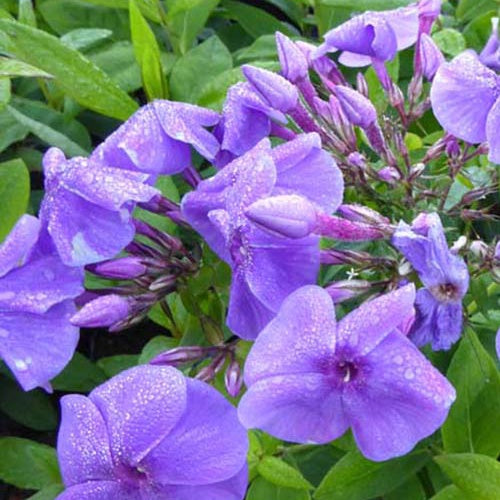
286	150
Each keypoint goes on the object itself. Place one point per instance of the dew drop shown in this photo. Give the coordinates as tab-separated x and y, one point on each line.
3	333
49	274
7	295
398	359
409	375
20	365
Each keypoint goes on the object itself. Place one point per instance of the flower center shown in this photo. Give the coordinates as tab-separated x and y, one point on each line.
446	292
347	371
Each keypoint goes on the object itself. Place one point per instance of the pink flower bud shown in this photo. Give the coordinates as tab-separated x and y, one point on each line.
233	378
103	311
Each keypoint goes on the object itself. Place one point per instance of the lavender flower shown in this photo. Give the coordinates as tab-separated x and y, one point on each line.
373	36
103	311
151	433
157	139
36	291
266	268
87	207
310	379
439	305
490	55
465	98
430	56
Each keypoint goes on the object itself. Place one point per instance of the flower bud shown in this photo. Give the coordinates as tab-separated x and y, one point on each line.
103	311
291	216
360	213
479	249
346	230
490	55
293	62
125	268
459	245
389	174
357	160
233	378
431	56
279	93
362	85
347	289
358	109
178	355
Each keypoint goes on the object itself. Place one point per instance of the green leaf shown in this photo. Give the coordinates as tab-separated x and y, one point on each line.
28	464
5	92
192	72
113	365
80	375
14	402
14	193
469	9
85	38
12	131
256	22
150	8
356	478
155	346
26	13
147	54
376	92
261	489
12	67
450	492
280	473
43	130
360	5
472	424
48	493
411	489
75	74
185	19
213	93
262	48
450	41
478	476
119	62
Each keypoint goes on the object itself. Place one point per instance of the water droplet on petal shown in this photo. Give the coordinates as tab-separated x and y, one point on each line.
7	295
49	274
398	359
20	365
409	375
3	333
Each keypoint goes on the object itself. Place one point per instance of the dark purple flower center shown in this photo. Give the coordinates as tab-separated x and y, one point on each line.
446	292
346	370
238	248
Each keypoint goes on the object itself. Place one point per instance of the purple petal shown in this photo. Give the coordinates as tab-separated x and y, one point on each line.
140	407
365	327
37	347
39	285
84	232
82	444
301	408
246	316
230	489
279	93
297	339
492	135
281	265
305	169
402	400
490	55
422	330
404	22
18	244
497	343
431	56
358	109
207	445
293	62
99	490
102	311
448	325
353	60
462	94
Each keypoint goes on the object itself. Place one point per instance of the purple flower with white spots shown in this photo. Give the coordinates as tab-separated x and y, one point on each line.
373	36
87	207
309	379
439	305
266	268
36	301
157	139
465	96
151	433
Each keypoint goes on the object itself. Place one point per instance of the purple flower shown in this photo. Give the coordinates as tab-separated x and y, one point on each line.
157	139
87	207
430	56
105	310
490	55
36	291
266	268
310	379
293	61
151	433
439	305
373	35
465	97
358	109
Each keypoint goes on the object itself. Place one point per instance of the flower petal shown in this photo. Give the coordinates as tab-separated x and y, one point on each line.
462	94
492	135
365	327
99	490
403	400
82	443
301	408
207	445
297	339
140	407
37	347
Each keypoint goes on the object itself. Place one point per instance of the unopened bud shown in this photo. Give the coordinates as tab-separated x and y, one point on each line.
125	268
479	249
416	171
431	56
358	109
178	355
291	216
404	269
208	373
103	311
347	289
357	159
346	230
233	378
389	175
362	85
293	62
459	244
212	330
360	213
